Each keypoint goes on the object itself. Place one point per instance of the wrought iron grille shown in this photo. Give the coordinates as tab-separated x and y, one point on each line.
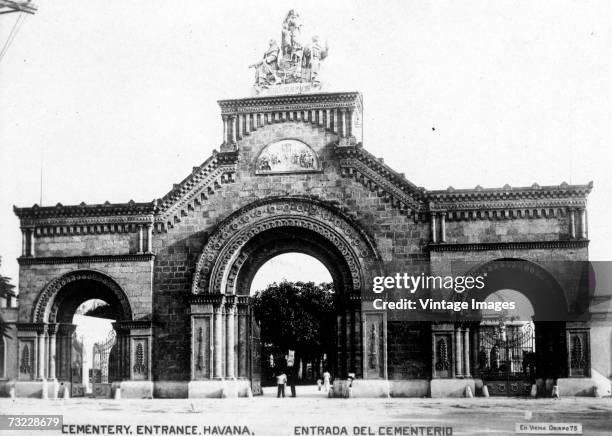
101	354
507	350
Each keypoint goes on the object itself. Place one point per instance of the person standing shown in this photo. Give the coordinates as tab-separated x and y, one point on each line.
281	380
326	380
292	381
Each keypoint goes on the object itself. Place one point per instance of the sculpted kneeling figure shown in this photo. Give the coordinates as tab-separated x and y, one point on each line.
266	70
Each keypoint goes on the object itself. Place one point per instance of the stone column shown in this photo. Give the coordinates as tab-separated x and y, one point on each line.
349	122
149	238
231	129
218	342
41	354
52	350
572	213
358	349
229	340
458	353
32	239
343	122
443	227
348	339
24	243
225	129
140	239
243	352
583	224
466	352
434	230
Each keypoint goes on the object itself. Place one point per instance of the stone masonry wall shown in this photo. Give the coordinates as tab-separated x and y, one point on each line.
86	245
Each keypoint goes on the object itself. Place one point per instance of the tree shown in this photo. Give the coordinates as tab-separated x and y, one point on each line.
6	289
296	316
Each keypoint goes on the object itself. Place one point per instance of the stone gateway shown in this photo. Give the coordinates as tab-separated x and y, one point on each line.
292	175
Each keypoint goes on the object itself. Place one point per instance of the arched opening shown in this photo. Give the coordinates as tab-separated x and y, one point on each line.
293	299
79	309
92	342
517	347
305	255
506	343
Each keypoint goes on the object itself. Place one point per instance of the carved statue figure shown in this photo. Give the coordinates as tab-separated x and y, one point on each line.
266	70
291	45
314	53
292	62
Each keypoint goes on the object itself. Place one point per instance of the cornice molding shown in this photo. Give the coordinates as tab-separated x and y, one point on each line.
524	245
293	102
195	189
37	327
464	204
132	325
508	193
83	210
102	220
57	260
205	298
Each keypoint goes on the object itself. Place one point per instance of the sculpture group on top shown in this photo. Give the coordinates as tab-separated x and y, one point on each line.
293	61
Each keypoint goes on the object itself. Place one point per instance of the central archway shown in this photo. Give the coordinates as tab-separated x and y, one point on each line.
220	302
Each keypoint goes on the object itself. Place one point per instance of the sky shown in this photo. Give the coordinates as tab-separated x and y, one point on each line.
117	100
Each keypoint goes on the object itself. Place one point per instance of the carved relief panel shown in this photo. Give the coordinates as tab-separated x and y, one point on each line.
287	156
27	361
578	352
374	339
201	347
442	365
140	358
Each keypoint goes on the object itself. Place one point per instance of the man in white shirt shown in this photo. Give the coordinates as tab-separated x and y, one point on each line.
281	380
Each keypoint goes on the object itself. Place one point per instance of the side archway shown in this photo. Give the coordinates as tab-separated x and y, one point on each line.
61	296
511	350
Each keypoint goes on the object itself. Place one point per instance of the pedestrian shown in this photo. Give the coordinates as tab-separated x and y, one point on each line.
292	380
326	380
281	380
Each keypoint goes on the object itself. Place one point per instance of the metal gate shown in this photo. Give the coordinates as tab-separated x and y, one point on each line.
102	371
507	358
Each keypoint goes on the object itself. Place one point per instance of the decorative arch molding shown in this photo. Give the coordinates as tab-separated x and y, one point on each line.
45	309
256	253
223	247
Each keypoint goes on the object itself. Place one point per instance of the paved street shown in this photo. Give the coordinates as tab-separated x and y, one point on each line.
264	416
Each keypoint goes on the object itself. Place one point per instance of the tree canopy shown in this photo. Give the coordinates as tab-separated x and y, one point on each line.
296	316
6	288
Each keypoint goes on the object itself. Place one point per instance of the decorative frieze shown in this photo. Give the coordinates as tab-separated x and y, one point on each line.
61	260
526	245
37	213
338	113
132	325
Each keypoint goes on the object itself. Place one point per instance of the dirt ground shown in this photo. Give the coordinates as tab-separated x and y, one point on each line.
311	413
